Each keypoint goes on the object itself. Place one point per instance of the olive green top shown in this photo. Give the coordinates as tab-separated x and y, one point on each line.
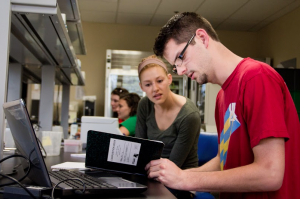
180	138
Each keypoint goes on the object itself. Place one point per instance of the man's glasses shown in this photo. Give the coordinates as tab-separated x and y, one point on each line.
179	59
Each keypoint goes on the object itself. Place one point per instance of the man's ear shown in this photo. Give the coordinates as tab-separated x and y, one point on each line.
202	36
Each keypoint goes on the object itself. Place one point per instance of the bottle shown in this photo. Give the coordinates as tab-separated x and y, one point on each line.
73	130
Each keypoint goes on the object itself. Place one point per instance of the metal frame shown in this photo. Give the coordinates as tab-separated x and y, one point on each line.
5	7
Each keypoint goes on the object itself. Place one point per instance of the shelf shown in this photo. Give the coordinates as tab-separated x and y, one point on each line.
71	9
39	38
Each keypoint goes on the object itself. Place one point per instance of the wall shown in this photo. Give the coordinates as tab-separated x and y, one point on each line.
280	40
99	37
243	44
211	93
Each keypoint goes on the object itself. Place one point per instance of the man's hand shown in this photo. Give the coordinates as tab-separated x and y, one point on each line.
166	172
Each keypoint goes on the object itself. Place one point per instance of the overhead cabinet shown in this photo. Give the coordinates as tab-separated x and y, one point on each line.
39	38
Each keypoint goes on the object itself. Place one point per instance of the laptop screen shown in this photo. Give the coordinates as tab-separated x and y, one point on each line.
26	142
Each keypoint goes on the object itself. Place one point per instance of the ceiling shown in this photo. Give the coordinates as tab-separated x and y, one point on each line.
238	15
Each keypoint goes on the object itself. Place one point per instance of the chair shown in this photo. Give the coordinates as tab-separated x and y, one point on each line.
203	195
207	149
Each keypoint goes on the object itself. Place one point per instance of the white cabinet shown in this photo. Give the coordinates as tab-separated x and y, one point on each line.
211	93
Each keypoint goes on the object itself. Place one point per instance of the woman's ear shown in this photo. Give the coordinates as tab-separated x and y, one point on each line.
141	86
170	78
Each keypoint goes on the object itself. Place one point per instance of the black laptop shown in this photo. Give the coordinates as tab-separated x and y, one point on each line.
27	145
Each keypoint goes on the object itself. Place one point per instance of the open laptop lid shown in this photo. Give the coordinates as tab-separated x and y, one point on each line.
26	141
120	153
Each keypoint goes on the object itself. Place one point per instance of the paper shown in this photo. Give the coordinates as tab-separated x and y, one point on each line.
46	141
124	152
78	155
69	165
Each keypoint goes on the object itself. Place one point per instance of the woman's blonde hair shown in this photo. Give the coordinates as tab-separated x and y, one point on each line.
149	62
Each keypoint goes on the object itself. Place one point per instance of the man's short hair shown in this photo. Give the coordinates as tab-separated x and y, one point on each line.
181	28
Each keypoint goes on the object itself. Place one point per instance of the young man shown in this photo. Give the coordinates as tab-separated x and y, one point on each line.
257	122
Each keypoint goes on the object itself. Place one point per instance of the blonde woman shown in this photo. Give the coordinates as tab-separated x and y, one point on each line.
165	116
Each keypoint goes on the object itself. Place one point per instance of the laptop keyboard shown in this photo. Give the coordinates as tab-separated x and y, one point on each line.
90	182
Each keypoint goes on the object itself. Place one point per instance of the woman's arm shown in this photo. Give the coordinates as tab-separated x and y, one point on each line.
124	130
141	127
187	134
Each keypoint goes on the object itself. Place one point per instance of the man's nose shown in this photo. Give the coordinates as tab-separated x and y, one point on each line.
181	70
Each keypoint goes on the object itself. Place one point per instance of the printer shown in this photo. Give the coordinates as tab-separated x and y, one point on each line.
96	123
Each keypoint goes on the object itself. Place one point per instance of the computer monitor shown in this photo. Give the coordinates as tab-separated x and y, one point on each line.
89	108
292	80
96	123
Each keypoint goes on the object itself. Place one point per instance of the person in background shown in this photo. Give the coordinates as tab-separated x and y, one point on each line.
256	118
114	100
165	116
128	104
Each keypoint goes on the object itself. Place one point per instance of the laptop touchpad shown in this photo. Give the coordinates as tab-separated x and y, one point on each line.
120	182
98	174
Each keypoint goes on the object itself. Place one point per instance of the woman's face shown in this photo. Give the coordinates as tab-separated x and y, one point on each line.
124	110
155	83
114	102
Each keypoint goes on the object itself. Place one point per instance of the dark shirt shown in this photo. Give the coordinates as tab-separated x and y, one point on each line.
180	138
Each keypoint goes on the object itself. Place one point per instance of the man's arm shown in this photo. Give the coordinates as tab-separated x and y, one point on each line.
264	174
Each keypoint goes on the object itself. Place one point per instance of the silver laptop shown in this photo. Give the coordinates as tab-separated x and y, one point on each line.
27	145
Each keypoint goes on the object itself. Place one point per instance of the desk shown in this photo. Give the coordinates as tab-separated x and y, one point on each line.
155	189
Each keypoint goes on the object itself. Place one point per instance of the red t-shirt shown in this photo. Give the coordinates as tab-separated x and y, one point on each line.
254	103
